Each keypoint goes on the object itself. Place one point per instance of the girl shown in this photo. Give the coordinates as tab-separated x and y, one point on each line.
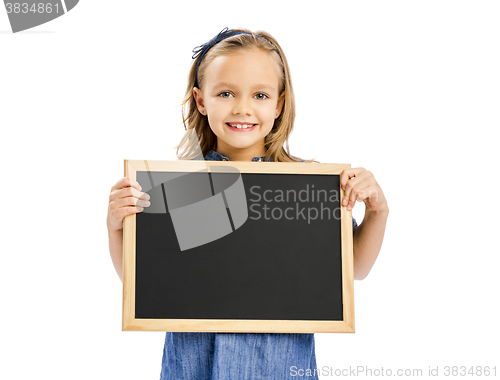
241	107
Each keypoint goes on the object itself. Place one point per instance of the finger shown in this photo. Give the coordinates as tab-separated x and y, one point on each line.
122	212
349	173
127	192
374	192
125	206
126	182
351	183
130	201
358	193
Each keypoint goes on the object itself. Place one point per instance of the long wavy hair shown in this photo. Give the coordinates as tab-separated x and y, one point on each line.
278	136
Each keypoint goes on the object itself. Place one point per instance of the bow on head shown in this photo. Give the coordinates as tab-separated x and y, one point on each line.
202	49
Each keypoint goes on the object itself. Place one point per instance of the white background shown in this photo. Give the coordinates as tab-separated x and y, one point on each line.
407	90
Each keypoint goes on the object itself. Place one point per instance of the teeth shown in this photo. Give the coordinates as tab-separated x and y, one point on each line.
241	126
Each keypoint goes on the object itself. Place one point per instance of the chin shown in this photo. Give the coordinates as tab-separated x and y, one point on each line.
241	144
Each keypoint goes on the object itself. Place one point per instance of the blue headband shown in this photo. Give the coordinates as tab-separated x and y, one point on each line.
203	49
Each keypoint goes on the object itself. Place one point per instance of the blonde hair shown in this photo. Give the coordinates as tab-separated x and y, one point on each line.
276	139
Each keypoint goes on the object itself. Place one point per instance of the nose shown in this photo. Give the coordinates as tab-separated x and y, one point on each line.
242	106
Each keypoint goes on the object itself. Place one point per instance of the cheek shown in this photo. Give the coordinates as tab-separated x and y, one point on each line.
268	126
270	110
215	124
217	111
215	114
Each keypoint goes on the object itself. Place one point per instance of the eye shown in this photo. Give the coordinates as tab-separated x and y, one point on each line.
262	95
224	92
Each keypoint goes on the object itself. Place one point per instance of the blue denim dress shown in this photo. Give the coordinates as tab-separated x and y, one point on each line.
237	356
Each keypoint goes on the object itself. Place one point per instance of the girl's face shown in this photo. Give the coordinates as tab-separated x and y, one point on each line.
240	88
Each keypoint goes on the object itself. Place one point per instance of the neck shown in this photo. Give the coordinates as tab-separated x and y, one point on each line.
240	154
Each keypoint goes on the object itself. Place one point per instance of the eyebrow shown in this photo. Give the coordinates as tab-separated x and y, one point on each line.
225	84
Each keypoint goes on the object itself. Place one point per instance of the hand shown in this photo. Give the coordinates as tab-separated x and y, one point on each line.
359	185
125	199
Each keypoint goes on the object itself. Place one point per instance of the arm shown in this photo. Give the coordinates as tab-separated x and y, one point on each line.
367	241
116	250
360	185
125	199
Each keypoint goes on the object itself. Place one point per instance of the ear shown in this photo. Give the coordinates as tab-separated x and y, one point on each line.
279	105
198	98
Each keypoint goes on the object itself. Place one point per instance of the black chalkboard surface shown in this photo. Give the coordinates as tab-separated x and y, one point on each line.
283	262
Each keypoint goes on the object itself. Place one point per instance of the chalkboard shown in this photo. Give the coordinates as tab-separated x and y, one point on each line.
238	247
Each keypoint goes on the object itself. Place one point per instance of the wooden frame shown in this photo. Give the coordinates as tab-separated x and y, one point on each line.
129	322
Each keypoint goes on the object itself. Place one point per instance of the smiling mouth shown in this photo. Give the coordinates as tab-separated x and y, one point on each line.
241	127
